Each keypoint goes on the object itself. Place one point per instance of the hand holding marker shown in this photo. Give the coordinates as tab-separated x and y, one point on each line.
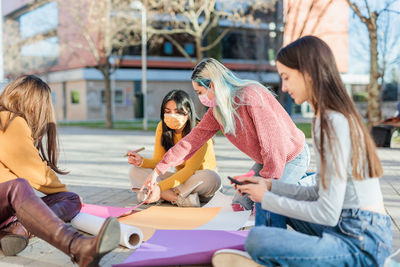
135	151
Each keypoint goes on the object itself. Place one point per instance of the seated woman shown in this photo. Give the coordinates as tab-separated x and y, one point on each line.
19	199
26	120
340	221
195	179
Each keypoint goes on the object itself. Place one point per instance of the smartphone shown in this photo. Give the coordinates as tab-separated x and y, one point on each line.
233	180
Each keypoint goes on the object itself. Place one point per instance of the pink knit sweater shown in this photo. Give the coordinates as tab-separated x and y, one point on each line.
268	134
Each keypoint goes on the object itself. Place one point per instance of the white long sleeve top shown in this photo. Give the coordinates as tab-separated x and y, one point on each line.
316	204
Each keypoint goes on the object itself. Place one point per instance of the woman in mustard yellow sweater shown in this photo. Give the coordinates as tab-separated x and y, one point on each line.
28	148
195	179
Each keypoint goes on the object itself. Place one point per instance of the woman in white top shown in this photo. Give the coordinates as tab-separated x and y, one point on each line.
341	221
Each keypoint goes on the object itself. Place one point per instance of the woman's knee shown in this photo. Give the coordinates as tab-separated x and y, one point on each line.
21	185
133	171
252	244
211	183
258	243
137	176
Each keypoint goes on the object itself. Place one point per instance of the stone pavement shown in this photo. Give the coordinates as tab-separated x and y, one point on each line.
98	173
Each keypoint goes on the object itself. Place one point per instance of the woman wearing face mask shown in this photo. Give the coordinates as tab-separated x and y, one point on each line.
341	221
195	179
250	117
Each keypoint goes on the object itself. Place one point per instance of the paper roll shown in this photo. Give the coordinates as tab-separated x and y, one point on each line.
131	237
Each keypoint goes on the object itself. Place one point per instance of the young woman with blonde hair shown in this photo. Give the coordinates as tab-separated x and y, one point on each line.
250	117
341	221
29	150
195	180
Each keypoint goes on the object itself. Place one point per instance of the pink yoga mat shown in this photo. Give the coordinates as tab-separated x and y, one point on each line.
104	211
184	247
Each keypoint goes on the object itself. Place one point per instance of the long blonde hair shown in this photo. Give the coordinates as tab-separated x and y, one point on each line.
228	93
30	98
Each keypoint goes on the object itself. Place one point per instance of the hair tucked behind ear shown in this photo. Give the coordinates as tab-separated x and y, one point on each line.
30	98
312	56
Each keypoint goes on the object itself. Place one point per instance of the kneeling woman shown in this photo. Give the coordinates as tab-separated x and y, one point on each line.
195	179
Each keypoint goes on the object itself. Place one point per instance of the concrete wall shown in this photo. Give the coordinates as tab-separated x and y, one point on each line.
158	90
97	110
330	23
58	100
76	111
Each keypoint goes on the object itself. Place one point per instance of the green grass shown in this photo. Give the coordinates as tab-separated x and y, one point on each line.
305	127
118	125
152	125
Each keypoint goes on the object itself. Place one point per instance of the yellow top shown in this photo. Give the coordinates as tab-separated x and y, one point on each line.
204	158
19	158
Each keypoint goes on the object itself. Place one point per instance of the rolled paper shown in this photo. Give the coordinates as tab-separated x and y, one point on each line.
131	237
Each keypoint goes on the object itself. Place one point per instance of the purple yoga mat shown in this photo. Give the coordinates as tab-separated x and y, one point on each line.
184	247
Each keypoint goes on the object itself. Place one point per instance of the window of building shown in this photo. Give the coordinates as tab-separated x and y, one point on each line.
39	20
47	48
168	49
74	97
119	96
189	48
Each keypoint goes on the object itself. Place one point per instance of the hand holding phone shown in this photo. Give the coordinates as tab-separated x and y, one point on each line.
233	180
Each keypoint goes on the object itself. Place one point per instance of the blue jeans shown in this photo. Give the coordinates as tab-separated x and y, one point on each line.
293	172
361	238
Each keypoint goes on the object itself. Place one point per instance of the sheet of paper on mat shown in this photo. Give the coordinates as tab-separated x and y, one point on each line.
171	218
220	200
228	221
184	247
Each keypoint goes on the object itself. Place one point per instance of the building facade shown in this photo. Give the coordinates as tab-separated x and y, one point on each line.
78	88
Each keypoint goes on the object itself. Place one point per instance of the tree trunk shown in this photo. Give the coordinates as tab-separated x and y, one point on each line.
107	96
199	52
374	103
200	110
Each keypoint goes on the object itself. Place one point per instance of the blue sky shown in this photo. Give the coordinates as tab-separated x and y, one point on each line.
359	42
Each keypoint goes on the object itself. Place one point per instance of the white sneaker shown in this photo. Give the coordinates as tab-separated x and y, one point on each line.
233	258
191	200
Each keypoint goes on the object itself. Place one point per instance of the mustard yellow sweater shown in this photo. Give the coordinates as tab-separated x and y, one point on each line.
19	158
204	158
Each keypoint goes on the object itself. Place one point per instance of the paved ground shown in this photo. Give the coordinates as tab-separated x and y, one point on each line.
99	175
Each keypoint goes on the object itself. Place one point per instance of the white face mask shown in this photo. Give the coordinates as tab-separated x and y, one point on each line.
207	101
175	121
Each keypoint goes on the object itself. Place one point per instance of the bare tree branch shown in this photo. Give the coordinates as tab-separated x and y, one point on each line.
320	16
179	47
309	11
216	41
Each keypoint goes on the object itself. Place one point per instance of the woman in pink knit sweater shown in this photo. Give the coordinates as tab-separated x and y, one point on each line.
250	117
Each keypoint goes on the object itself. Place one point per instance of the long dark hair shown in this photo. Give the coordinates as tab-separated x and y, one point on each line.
30	97
312	56
182	100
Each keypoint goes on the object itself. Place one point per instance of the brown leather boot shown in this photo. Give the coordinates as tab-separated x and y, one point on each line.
12	244
17	228
38	219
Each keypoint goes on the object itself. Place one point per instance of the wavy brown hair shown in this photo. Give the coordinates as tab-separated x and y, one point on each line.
312	56
30	98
